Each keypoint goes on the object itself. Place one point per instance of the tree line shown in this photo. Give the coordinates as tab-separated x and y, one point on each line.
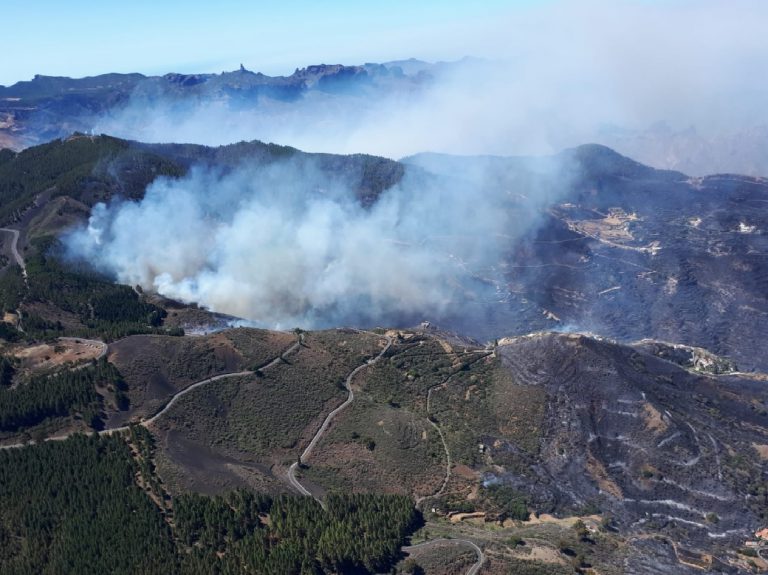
61	394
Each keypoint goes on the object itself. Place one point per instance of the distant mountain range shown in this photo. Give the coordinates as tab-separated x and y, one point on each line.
48	107
330	103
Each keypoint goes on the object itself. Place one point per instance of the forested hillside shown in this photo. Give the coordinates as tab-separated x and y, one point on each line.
94	505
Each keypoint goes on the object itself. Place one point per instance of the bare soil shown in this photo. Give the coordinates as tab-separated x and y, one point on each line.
45	356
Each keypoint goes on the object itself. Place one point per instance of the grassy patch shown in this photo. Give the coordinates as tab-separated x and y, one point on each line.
374	447
484	405
277	411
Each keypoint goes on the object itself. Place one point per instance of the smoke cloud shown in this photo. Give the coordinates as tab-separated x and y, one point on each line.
286	245
672	84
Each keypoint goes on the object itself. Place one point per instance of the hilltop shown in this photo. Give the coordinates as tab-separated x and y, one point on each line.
602	244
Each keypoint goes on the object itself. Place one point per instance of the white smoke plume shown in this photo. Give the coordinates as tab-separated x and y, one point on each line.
673	84
284	245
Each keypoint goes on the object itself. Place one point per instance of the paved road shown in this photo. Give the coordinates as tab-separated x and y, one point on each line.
295	482
324	427
185	391
14	249
479	552
173	399
194	386
94	342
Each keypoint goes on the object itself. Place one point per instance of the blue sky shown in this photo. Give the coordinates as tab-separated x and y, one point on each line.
80	37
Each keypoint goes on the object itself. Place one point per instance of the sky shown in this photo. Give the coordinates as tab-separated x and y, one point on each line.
82	38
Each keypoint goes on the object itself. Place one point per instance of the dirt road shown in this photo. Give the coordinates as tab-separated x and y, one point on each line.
307	451
436	426
245	373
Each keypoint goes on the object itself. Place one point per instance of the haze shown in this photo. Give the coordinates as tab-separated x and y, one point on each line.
673	84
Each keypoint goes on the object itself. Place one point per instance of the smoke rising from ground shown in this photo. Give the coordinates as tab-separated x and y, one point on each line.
673	84
285	245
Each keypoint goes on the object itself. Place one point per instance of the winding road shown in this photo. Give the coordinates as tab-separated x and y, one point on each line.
174	398
15	250
434	424
186	390
20	261
294	482
324	427
479	552
94	342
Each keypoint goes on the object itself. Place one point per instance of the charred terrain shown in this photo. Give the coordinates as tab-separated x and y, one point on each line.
593	400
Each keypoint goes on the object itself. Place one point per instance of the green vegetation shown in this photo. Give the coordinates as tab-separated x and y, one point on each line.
483	401
172	360
9	333
453	559
411	368
368	175
46	188
407	456
249	414
259	346
90	505
6	155
356	533
102	306
460	384
12	288
87	169
214	523
390	415
73	507
7	370
508	502
59	395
